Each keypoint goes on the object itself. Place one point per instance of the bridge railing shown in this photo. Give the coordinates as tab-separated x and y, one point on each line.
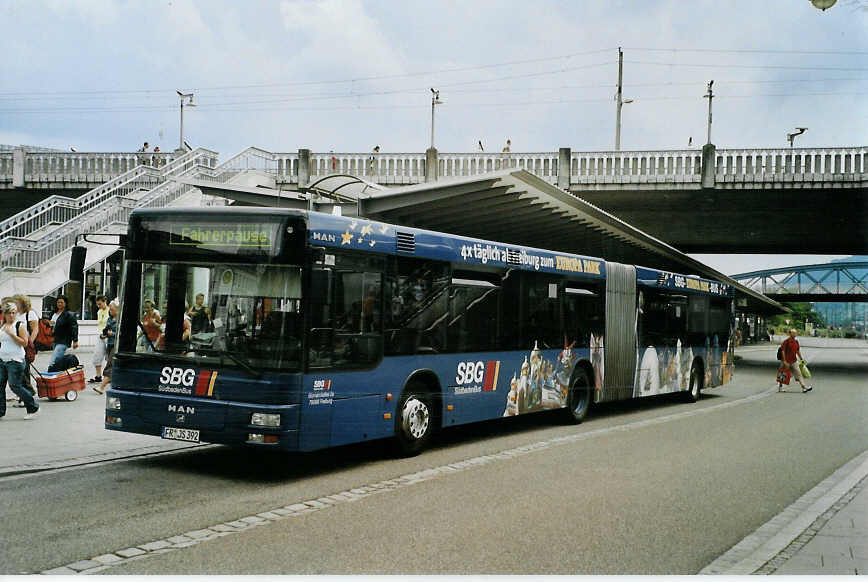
770	164
7	163
602	167
71	167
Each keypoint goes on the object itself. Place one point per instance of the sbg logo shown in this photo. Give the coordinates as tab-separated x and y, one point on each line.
470	372
177	376
484	373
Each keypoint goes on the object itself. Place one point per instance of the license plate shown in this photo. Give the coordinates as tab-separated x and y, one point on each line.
180	434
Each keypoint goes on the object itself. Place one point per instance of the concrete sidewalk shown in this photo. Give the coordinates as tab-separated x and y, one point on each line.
65	434
823	532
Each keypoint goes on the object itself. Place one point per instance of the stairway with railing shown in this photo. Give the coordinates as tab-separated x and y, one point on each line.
44	233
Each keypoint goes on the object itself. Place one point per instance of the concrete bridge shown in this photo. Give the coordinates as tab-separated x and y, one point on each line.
699	200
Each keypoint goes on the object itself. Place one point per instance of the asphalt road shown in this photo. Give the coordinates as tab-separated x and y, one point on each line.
651	486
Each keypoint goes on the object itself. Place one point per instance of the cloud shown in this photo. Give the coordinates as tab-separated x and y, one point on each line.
340	38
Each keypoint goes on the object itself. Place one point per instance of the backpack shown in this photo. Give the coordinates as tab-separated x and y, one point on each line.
64	362
44	335
29	350
781	355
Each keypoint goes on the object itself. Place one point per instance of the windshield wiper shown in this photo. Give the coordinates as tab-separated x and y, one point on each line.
237	359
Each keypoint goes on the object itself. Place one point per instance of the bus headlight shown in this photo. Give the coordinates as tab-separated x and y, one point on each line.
113	403
263	419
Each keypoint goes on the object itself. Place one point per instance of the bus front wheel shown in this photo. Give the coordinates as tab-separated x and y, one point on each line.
579	399
415	421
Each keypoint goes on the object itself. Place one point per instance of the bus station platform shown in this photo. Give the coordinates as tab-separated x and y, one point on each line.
823	532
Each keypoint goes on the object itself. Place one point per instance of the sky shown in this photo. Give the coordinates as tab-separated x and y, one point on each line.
345	75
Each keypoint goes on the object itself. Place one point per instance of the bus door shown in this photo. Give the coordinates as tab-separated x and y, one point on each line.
341	402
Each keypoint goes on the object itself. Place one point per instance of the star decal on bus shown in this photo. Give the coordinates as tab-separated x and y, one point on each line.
346	237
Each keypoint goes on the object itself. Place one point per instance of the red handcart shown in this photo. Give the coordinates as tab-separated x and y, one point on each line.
54	385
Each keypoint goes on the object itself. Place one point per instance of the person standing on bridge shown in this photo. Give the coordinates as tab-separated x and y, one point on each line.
790	356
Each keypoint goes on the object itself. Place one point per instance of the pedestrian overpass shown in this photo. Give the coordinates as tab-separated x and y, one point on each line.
838	282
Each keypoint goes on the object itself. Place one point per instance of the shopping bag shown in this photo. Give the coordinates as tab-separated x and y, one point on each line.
784	376
803	369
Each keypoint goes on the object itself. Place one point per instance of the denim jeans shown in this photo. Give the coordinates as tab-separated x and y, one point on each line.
59	350
11	371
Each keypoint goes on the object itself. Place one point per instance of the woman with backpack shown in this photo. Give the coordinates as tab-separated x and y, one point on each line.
13	338
65	329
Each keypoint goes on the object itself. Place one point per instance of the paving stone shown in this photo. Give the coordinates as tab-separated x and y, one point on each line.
269	515
326	500
62	571
107	559
238	524
838	564
297	507
222	527
83	565
198	534
130	552
316	504
828	545
252	519
283	511
157	545
178	539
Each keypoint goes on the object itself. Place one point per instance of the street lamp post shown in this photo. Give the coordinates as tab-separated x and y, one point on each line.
709	96
435	100
188	97
792	136
619	101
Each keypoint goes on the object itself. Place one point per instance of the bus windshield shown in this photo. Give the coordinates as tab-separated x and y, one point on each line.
245	315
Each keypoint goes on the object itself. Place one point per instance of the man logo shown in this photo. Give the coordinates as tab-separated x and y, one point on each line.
182	409
180	418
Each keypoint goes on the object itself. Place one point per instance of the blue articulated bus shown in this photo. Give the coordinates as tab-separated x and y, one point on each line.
301	330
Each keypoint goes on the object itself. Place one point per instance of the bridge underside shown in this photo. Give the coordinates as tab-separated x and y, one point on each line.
770	221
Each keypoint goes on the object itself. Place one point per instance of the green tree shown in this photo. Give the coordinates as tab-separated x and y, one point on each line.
801	313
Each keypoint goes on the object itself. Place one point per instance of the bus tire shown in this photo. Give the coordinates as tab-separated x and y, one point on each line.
414	421
579	398
695	384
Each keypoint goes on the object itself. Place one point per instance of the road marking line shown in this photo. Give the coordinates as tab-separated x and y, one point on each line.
296	509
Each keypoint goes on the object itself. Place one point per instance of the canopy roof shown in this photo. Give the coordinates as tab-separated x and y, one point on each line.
511	206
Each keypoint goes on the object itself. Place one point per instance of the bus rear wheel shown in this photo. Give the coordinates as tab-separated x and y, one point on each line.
414	423
692	394
579	398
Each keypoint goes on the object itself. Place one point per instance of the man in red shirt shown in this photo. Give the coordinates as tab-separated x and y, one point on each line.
791	356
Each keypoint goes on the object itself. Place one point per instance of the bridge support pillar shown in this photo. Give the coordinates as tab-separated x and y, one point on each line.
708	169
432	165
564	156
303	168
18	168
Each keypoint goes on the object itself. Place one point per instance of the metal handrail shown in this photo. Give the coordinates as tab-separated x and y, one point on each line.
62	208
21	254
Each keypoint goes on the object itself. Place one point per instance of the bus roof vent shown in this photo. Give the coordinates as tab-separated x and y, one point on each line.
406	242
513	257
